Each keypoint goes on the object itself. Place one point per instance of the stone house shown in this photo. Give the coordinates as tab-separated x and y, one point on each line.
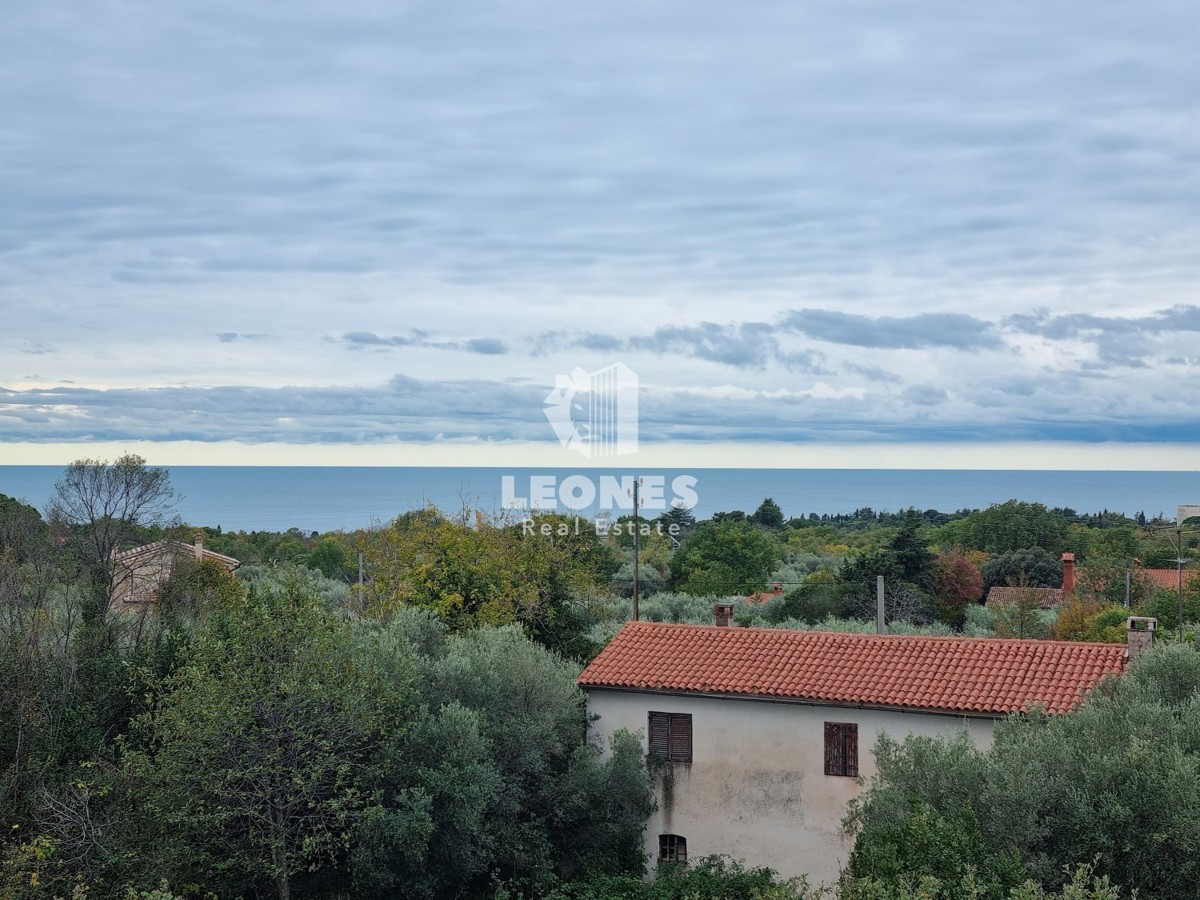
759	737
141	571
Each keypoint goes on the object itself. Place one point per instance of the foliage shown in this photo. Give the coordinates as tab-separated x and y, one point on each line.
1006	527
768	514
1029	567
1087	619
97	506
1117	781
957	584
1164	605
534	573
725	558
254	759
1022	615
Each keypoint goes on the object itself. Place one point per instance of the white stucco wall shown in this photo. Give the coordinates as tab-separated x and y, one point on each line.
756	788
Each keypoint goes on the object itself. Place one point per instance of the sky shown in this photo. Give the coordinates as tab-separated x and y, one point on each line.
933	234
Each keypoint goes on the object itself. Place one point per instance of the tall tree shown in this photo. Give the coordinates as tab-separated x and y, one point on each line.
257	754
724	557
768	515
98	505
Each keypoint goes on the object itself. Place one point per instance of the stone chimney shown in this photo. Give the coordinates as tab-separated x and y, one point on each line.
198	543
1068	564
1139	635
724	614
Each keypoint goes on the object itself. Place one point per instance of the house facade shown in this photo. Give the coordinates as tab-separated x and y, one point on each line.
141	571
758	738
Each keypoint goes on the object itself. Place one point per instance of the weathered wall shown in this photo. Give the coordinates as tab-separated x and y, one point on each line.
756	789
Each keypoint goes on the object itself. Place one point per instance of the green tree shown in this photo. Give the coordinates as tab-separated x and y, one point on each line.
1031	567
724	558
1117	781
914	561
256	754
768	514
1005	527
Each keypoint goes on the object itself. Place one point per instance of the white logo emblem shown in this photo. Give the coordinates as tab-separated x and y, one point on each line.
596	413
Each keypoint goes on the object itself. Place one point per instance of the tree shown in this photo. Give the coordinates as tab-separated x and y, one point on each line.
1117	781
531	572
957	584
724	558
1031	567
98	505
1019	616
1005	527
768	514
256	755
914	562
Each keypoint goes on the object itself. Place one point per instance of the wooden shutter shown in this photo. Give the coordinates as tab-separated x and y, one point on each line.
659	730
680	749
850	750
833	748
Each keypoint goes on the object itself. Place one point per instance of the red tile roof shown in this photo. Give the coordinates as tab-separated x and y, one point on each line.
947	674
1165	578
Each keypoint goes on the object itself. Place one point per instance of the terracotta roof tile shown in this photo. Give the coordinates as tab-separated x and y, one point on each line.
936	673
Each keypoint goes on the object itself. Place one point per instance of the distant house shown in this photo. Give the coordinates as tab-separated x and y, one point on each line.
764	596
759	736
1047	598
141	571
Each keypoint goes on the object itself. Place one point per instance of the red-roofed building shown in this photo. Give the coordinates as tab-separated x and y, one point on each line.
763	734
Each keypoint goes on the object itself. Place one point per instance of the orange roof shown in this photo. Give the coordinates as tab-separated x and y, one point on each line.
949	674
1165	578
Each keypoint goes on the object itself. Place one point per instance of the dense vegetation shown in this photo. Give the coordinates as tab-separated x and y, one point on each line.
394	712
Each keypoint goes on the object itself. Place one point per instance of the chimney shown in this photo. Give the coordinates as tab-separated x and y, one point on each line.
1068	564
724	614
777	589
198	542
1139	635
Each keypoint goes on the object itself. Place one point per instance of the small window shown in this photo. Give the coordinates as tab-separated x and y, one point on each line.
841	749
672	848
671	736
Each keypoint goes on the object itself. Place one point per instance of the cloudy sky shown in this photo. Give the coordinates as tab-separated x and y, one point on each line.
376	231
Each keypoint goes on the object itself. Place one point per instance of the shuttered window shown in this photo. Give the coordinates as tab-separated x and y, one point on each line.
671	736
841	749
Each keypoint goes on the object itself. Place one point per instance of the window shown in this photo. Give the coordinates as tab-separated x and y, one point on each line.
672	848
841	749
671	736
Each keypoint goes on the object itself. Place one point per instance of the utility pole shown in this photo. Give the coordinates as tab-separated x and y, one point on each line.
1179	572
636	529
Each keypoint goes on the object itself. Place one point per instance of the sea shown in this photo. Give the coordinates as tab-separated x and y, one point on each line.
322	499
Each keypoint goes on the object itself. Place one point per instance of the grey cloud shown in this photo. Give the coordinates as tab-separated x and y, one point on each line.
487	346
229	337
874	373
1177	318
356	340
748	345
925	395
924	330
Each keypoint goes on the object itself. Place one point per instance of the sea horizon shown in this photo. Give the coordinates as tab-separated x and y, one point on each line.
344	498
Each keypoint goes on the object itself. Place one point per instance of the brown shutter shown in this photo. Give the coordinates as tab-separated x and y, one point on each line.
833	748
658	734
681	738
850	733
